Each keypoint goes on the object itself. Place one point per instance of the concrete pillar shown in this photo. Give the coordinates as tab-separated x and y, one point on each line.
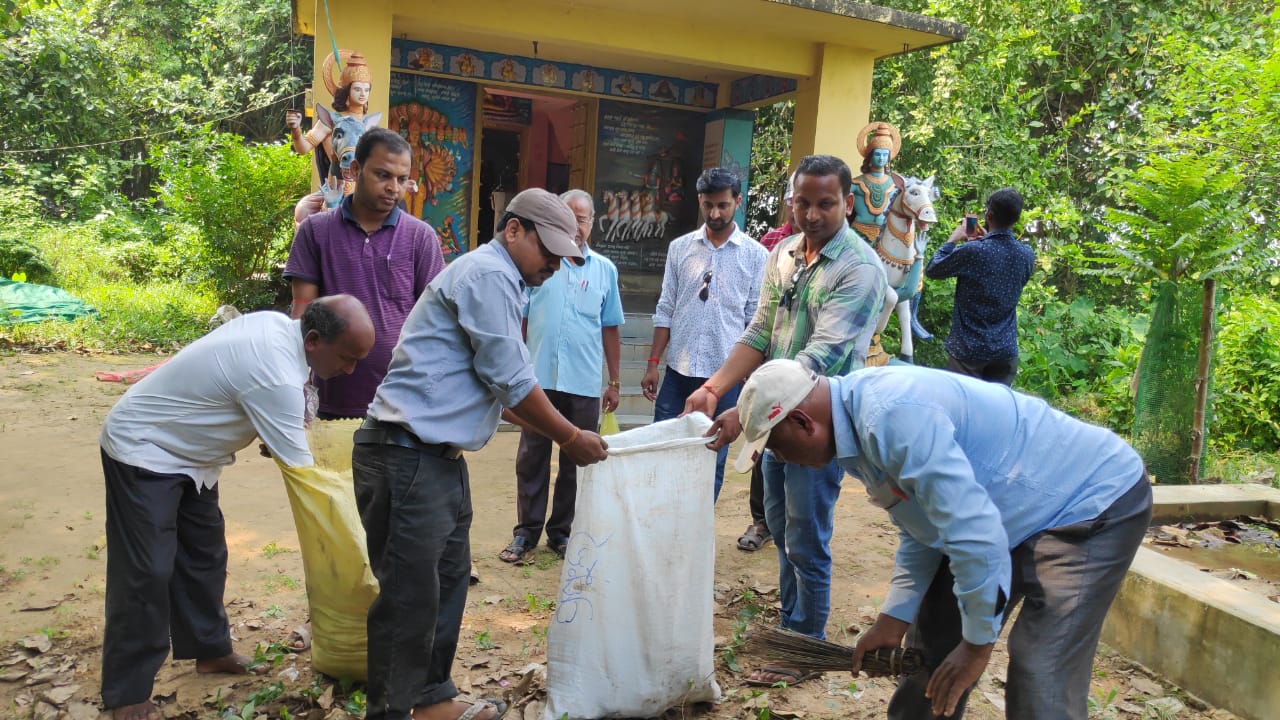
833	104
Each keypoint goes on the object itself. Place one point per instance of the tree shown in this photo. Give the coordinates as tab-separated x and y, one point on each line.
241	198
1178	231
770	158
89	87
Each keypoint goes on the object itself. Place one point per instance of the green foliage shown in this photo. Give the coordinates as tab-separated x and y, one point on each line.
1179	226
89	86
355	703
271	549
1246	385
770	158
20	260
156	311
1072	348
241	198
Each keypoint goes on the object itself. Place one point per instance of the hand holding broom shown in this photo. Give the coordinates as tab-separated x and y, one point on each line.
794	650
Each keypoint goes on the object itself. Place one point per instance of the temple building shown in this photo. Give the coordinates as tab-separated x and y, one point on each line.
627	100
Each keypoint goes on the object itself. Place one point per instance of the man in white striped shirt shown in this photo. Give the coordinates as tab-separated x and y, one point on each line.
710	289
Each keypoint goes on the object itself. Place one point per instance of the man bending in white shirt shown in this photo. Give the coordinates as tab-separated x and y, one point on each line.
163	446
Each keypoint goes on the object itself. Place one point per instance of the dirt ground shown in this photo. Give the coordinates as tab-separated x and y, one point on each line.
52	565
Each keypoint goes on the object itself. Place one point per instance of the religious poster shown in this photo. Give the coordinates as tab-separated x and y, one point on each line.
646	163
438	118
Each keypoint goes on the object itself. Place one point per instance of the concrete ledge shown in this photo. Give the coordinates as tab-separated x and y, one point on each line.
1216	640
1181	503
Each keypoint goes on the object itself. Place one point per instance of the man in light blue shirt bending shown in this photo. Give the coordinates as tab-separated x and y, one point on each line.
570	322
998	498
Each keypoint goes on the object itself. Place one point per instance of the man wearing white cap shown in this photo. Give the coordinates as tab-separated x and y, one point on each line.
998	498
822	292
460	361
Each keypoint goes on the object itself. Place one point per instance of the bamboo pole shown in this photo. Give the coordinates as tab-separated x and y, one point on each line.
1202	380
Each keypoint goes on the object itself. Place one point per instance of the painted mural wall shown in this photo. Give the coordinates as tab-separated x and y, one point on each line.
438	118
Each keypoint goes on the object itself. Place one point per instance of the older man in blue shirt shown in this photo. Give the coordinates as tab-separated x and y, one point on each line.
571	324
460	361
998	499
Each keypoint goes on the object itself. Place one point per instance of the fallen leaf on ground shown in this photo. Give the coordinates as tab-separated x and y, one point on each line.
49	605
216	695
1146	687
82	711
59	695
38	642
994	699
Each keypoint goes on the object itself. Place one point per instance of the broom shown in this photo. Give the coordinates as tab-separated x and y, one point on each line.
793	649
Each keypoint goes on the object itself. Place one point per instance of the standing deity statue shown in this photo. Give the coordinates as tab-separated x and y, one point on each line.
874	189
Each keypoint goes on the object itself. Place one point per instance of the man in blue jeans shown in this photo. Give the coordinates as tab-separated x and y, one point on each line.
710	289
999	500
822	292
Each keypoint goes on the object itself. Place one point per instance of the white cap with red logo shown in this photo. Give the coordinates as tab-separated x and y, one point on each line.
773	390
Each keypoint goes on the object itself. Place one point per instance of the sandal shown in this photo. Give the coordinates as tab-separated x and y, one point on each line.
791	678
300	634
558	546
515	552
756	537
475	575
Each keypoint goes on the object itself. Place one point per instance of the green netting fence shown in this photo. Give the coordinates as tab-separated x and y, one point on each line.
1163	422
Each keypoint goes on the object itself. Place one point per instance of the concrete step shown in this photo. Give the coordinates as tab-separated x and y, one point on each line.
635	349
635	404
632	371
637	326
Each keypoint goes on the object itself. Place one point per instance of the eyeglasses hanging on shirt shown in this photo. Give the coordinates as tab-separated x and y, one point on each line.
705	292
790	293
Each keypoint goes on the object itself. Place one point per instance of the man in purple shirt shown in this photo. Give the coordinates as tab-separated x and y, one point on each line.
369	248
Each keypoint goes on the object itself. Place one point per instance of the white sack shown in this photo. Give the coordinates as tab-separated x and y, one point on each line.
632	634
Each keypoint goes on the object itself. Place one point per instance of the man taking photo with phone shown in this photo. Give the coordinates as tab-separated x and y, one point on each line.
990	267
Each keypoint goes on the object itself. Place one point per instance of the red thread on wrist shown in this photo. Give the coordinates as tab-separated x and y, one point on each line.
655	360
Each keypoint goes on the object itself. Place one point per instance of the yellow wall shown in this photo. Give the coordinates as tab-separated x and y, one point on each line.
832	101
364	27
832	105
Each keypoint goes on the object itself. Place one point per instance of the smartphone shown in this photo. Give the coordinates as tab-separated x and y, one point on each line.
970	225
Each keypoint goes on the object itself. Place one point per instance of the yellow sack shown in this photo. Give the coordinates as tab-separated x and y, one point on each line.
609	424
335	558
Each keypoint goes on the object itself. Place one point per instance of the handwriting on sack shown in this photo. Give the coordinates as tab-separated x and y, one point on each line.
580	560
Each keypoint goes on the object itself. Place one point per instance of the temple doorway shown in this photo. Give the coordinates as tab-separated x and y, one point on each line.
527	140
